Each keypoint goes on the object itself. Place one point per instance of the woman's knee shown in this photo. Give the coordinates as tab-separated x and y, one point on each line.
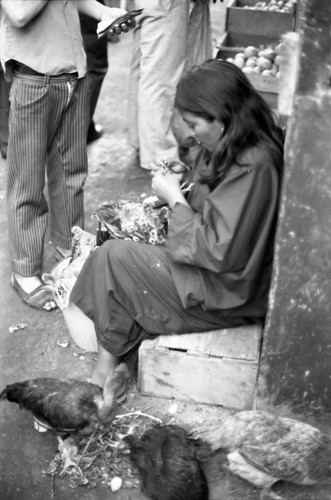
116	250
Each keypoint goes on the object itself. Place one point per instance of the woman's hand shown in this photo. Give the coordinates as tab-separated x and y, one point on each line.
176	167
166	186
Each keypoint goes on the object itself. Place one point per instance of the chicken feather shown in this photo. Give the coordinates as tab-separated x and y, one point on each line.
69	405
276	448
167	463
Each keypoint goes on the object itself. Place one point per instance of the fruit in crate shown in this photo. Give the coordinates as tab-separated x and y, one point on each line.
274	6
258	60
250	52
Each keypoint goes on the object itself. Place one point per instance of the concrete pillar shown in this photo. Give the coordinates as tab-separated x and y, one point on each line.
295	368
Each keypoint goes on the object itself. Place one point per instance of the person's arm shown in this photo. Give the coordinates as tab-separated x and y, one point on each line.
167	187
100	12
235	215
21	12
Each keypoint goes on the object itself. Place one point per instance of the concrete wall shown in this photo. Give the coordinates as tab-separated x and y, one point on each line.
295	370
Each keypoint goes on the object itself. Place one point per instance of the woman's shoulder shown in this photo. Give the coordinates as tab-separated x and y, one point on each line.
255	157
255	161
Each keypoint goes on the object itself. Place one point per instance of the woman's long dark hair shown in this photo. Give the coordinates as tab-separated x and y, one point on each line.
218	89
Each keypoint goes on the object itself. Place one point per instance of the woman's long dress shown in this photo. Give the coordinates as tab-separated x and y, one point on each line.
214	271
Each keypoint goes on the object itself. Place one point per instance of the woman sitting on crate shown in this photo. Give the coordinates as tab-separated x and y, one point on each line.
215	269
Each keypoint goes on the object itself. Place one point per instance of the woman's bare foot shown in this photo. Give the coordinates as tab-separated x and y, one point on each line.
106	364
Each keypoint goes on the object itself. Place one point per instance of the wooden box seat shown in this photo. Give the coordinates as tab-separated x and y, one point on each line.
217	367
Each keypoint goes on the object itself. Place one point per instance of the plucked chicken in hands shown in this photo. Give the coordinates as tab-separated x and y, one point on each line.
167	184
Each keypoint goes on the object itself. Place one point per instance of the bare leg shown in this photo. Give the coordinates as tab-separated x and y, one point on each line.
106	364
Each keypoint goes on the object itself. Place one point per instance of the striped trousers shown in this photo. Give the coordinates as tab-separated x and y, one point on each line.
47	136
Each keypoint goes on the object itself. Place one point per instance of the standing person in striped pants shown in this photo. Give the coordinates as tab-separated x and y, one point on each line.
42	53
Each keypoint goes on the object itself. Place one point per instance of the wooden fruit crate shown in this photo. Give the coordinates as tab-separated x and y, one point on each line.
261	22
218	367
232	43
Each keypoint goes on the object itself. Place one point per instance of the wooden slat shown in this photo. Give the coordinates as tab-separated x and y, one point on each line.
239	343
259	22
236	42
242	3
229	383
264	83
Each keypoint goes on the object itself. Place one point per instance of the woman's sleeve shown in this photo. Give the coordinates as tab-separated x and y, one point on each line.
235	214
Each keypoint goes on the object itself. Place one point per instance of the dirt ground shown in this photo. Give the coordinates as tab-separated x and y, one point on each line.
37	350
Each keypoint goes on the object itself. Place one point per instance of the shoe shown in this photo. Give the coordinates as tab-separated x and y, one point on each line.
41	298
95	131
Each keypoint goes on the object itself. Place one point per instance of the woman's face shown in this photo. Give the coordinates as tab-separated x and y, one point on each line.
207	133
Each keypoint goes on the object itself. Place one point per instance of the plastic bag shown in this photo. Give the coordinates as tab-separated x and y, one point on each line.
199	40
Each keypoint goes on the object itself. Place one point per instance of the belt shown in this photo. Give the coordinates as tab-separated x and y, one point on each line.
21	69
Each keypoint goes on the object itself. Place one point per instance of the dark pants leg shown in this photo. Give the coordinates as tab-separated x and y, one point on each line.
4	113
127	290
97	58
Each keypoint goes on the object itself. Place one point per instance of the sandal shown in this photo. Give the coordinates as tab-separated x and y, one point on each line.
41	298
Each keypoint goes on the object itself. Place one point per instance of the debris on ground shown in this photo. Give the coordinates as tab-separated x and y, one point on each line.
103	457
15	328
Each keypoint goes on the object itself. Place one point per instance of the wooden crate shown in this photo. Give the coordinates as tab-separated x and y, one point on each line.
218	367
261	22
232	43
